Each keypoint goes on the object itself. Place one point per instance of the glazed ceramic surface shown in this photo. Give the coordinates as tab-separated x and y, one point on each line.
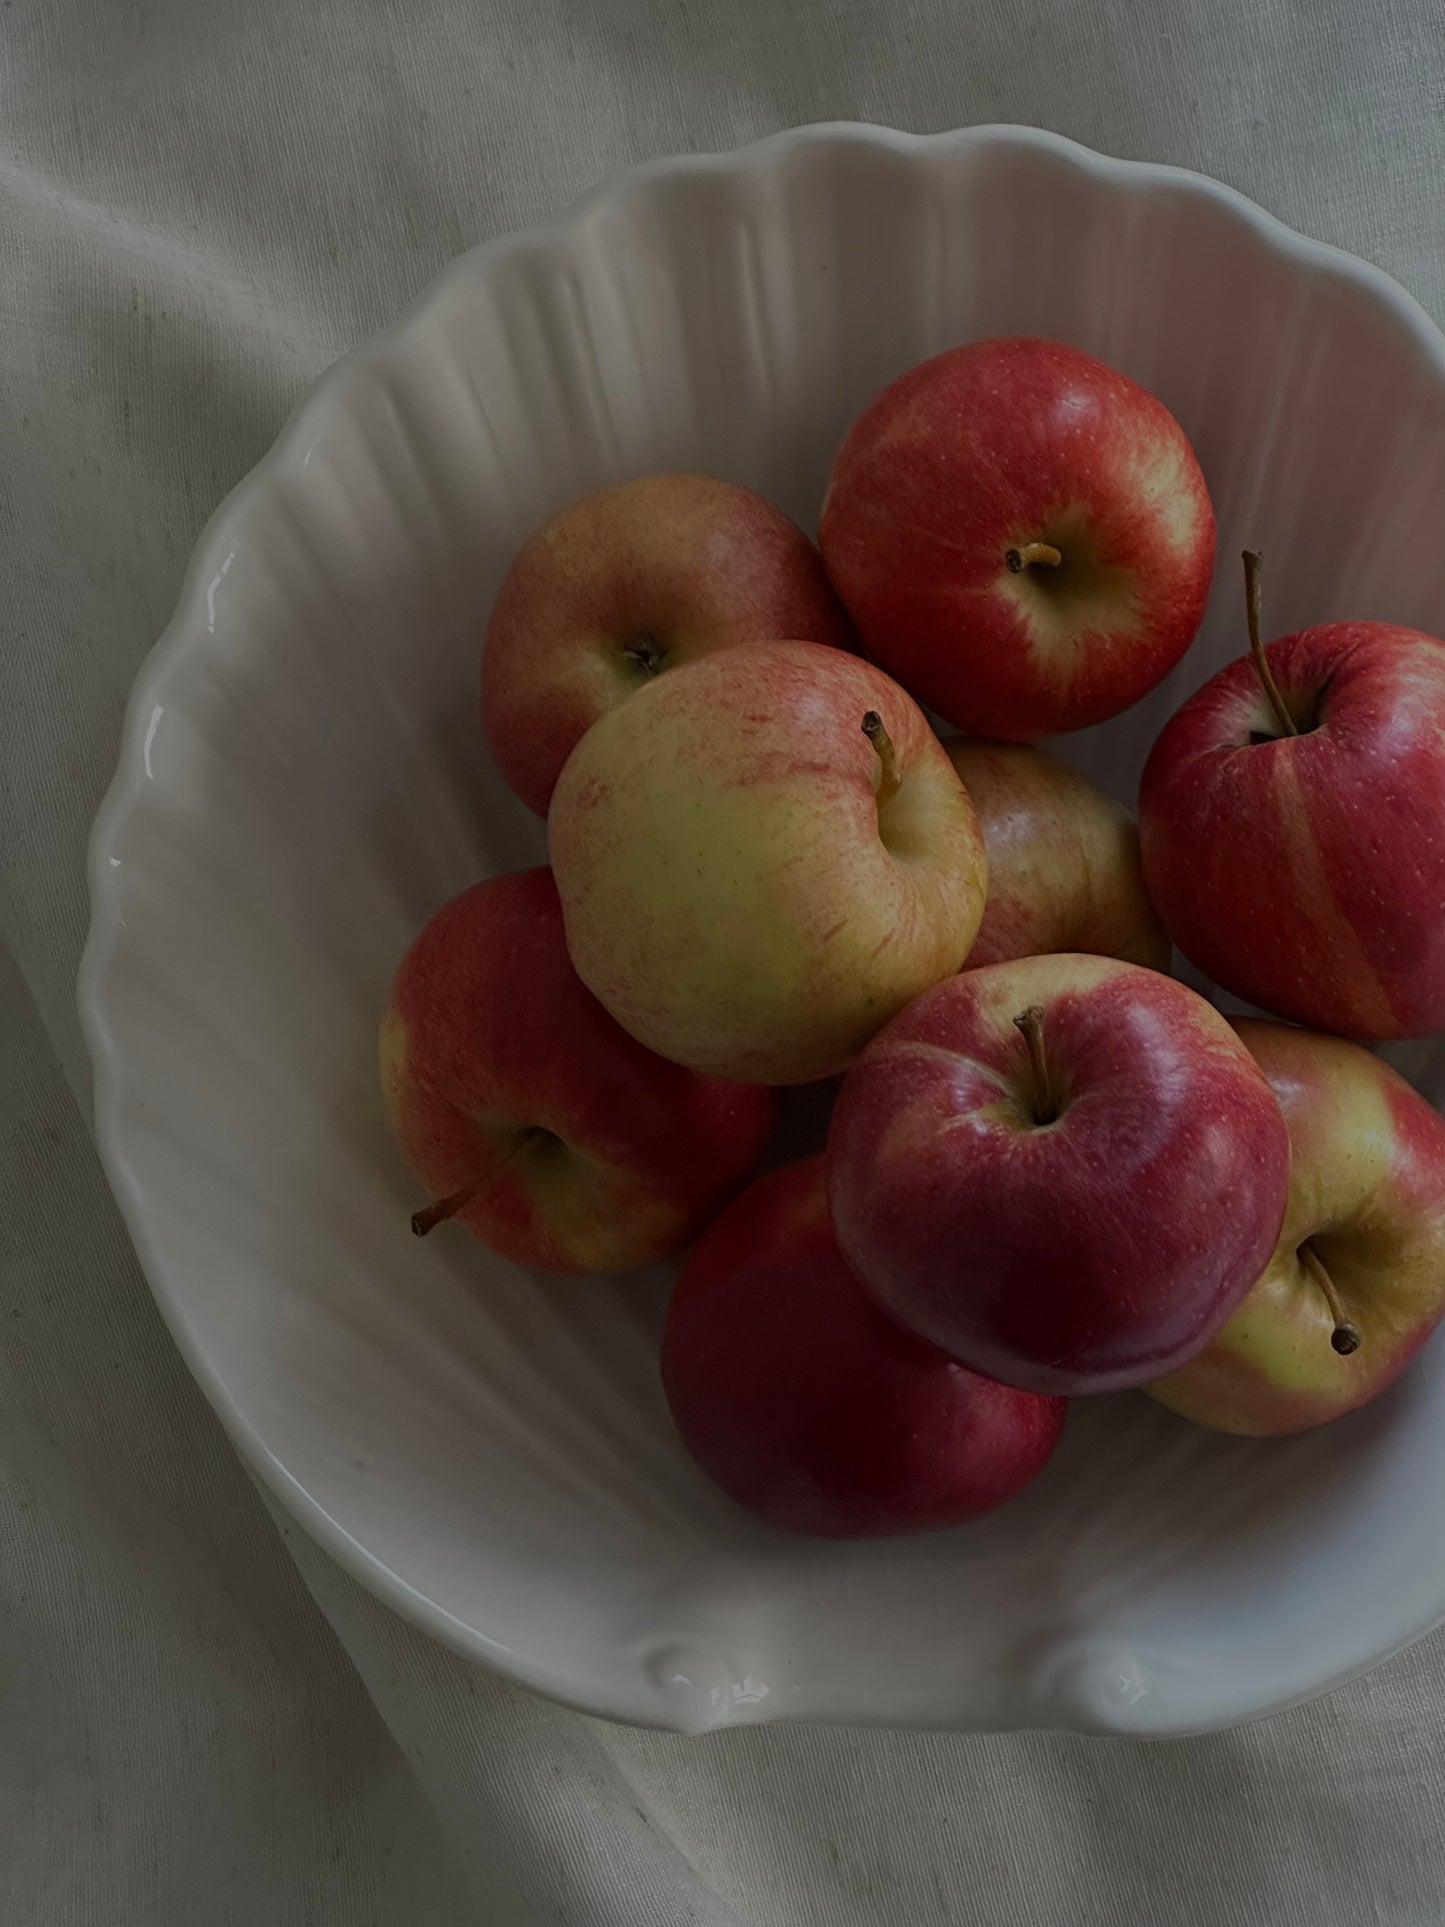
302	781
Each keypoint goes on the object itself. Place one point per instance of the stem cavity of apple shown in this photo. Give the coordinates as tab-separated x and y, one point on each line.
1253	563
1044	554
1031	1023
437	1213
1345	1337
648	654
891	779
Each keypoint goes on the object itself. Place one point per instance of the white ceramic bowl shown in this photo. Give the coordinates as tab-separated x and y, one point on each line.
302	781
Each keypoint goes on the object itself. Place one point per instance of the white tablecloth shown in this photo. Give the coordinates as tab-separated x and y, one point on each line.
201	1720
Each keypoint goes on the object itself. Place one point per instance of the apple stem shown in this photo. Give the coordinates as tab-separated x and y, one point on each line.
424	1221
1253	563
891	780
1031	1023
1345	1337
437	1213
1044	553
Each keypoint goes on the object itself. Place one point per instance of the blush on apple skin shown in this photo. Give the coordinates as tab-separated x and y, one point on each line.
808	1406
1367	1203
1067	1242
945	485
625	584
496	1058
1307	873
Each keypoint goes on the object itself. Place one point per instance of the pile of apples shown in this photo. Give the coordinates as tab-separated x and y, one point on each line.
1052	1169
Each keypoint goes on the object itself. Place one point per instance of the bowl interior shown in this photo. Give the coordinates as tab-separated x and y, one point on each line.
303	782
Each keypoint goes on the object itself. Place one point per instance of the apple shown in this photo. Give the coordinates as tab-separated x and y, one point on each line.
762	856
1022	536
1356	1283
1063	1171
1063	860
530	1115
620	587
809	1407
1292	815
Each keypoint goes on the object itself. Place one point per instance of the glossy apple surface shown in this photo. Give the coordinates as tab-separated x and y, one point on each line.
1063	860
1061	1213
744	887
1306	872
802	1401
1021	535
624	585
1357	1281
506	1080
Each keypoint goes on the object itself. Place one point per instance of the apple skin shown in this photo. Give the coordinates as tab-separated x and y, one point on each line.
1063	861
1076	1255
809	1407
977	453
490	1035
734	892
624	584
1307	873
1367	1193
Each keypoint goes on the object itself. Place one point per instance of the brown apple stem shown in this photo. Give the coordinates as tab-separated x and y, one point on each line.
1031	1023
424	1221
1253	563
891	780
1042	553
434	1214
1345	1337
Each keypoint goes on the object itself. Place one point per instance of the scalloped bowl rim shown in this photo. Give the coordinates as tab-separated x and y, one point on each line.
183	631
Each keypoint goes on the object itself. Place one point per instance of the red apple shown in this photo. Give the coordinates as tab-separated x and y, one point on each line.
1064	1171
530	1115
1063	860
1357	1281
1021	535
762	856
1293	824
623	585
813	1410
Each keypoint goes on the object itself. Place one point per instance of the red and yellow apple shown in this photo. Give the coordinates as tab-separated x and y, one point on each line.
1063	860
530	1115
1357	1281
1062	1171
1293	823
1021	535
620	587
809	1407
761	857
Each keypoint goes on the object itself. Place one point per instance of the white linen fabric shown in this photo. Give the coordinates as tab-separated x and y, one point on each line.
201	1720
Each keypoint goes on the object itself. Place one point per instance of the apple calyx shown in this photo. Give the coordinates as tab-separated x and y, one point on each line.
1045	1107
443	1208
1345	1337
891	779
1043	553
1253	563
647	653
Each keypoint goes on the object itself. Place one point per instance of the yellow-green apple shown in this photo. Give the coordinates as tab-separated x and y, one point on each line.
761	857
1357	1281
620	587
1293	824
1063	860
1063	1170
802	1401
1022	536
530	1115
